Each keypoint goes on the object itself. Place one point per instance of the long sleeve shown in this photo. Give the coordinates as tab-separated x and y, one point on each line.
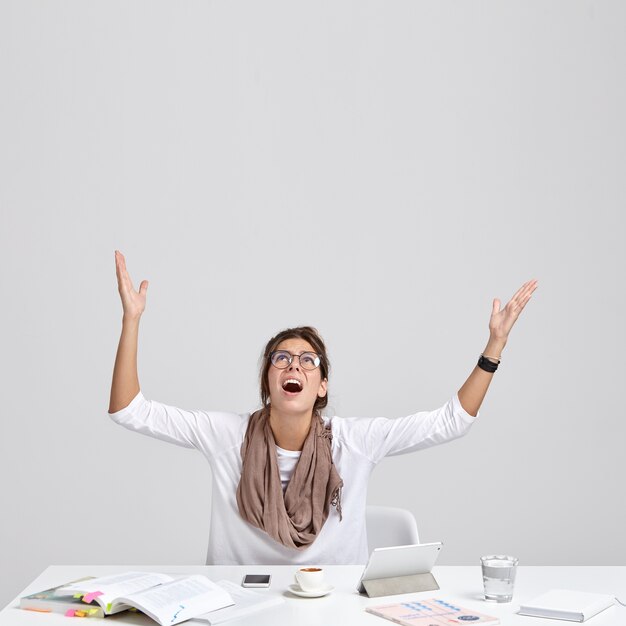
208	431
378	437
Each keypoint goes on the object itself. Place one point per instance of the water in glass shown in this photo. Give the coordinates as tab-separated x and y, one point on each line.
499	577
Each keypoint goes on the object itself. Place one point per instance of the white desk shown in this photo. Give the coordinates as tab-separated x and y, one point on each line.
345	607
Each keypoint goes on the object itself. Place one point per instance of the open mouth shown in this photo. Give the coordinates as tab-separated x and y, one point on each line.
291	385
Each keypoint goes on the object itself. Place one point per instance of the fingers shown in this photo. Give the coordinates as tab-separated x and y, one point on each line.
524	297
528	285
122	273
525	300
523	294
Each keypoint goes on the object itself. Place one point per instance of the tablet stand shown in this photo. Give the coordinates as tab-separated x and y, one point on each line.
399	584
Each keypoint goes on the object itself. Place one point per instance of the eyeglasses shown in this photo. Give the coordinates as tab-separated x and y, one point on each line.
282	359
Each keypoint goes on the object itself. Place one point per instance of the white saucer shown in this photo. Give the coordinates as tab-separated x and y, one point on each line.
318	593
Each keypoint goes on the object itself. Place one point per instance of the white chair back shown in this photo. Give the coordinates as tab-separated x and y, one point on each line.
389	526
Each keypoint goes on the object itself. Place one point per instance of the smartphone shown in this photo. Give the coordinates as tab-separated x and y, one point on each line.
256	580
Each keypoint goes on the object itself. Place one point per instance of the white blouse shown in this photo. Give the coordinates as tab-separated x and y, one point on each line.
358	444
287	461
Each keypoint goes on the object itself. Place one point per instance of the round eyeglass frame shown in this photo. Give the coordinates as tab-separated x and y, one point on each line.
317	359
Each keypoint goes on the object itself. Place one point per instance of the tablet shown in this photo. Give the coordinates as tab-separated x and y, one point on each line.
418	558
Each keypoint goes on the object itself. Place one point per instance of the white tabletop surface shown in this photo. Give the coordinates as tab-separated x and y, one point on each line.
344	606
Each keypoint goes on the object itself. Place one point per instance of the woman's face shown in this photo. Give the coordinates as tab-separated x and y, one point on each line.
311	380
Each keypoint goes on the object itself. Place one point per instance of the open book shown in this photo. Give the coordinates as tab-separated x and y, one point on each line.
165	599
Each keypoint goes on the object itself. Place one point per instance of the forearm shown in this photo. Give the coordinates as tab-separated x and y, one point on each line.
473	391
125	385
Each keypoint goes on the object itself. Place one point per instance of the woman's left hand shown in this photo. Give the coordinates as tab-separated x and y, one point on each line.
502	321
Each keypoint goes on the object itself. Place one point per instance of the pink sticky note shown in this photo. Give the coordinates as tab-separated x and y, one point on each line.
69	613
88	597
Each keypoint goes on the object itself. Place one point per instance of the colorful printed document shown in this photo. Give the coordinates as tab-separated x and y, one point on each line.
431	612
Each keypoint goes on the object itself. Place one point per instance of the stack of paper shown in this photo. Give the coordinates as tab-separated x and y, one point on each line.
246	603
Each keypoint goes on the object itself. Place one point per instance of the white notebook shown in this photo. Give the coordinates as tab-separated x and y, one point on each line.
575	606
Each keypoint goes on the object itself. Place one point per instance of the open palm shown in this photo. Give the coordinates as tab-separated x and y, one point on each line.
502	321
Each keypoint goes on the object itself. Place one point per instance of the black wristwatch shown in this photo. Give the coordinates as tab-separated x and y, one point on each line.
487	365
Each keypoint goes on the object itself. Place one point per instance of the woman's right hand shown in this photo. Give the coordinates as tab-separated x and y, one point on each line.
133	302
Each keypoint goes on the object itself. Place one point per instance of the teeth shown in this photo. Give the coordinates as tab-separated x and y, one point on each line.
293	380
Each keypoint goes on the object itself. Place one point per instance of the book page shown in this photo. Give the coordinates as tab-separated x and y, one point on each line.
178	600
108	588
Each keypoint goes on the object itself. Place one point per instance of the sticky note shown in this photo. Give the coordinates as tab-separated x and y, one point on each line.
78	595
80	613
69	613
92	611
88	597
109	607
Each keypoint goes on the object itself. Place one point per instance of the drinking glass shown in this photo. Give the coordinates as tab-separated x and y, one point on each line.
499	577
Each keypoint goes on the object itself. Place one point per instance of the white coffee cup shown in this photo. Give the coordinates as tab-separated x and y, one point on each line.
310	578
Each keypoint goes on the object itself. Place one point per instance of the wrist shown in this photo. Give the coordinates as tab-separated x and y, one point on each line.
494	347
131	320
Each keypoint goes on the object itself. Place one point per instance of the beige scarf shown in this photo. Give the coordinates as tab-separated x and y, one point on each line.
295	518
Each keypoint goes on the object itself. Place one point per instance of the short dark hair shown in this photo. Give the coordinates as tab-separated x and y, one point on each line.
308	333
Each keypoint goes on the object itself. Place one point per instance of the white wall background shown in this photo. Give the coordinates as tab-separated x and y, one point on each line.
380	170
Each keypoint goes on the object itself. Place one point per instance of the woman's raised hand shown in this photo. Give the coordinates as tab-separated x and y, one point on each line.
502	321
133	302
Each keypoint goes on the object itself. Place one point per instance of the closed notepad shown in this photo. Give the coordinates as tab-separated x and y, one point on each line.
575	606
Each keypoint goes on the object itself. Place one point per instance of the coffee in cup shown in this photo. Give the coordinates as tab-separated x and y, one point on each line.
310	578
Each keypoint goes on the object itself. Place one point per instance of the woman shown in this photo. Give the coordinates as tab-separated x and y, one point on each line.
290	486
